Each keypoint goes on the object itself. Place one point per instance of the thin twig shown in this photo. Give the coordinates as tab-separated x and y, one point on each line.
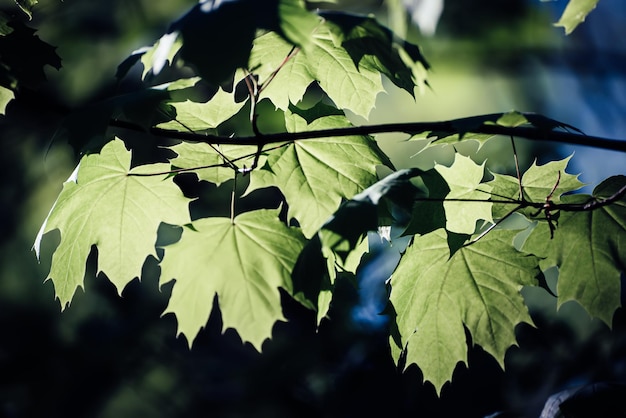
517	170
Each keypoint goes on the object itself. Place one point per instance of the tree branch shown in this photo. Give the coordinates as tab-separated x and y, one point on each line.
411	128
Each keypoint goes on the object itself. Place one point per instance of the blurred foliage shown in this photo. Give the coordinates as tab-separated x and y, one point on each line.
108	356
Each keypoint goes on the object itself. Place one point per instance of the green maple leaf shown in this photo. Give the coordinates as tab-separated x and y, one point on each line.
538	183
575	13
211	165
325	61
375	48
296	23
291	82
103	204
434	295
196	116
243	261
342	241
588	248
464	181
315	175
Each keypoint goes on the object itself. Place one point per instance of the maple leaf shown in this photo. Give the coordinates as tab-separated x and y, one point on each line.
243	261
314	175
194	116
211	163
342	241
538	183
290	83
325	61
464	178
103	204
588	248
434	295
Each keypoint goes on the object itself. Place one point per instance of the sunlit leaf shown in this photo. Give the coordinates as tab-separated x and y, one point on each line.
588	247
215	164
435	295
539	183
464	178
296	23
6	96
575	13
244	262
194	116
316	174
105	205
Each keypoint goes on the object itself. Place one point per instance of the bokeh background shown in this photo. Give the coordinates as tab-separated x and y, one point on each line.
111	356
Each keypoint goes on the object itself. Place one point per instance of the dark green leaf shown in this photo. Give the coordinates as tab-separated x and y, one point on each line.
588	247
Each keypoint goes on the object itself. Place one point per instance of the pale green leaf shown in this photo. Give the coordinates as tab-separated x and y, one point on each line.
244	262
103	204
464	181
375	48
290	82
315	175
575	13
213	163
435	296
504	188
325	62
539	182
296	23
589	248
194	116
549	180
6	95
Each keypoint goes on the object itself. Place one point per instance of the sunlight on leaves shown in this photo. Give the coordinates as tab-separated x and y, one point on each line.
6	96
243	262
316	174
103	205
575	13
435	296
464	178
588	247
216	169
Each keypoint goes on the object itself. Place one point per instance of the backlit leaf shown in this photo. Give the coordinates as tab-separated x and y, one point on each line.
589	249
194	116
539	182
575	13
213	163
6	96
464	180
244	262
104	205
435	296
315	175
27	6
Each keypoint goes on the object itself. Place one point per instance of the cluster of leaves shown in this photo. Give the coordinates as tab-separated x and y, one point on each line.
464	268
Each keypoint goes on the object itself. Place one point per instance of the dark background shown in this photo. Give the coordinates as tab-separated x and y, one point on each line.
111	356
